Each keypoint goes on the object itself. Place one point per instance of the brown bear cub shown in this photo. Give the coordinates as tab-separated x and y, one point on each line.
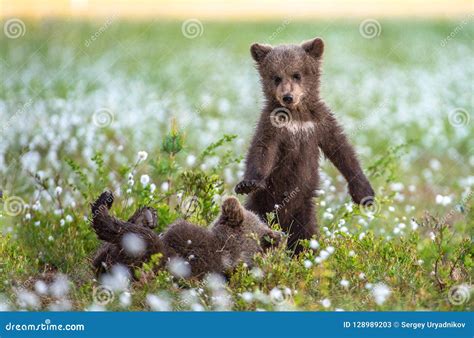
282	163
234	238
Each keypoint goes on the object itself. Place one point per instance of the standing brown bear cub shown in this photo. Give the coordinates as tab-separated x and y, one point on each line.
294	125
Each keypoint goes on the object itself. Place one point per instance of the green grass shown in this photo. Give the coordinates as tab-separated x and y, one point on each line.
395	94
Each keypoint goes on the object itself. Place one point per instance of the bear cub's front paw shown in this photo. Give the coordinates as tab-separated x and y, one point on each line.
362	193
248	186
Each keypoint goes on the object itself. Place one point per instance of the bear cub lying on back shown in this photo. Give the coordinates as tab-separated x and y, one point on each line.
234	238
282	163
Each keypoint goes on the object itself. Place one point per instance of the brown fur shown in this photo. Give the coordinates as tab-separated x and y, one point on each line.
285	150
235	237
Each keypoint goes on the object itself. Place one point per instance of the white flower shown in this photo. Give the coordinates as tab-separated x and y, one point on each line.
396	186
330	249
414	225
313	244
41	287
381	292
125	299
50	238
152	187
133	244
352	253
157	303
69	218
307	264
432	236
344	283
326	302
361	275
142	155
324	254
62	222
58	190
247	296
165	186
190	160
144	180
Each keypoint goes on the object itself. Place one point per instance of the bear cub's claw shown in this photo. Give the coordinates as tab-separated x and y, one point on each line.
248	186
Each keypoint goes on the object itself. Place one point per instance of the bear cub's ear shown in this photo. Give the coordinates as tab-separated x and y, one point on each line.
314	47
259	51
232	212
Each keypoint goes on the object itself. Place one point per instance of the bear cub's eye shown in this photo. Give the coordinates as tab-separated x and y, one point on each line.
296	76
277	80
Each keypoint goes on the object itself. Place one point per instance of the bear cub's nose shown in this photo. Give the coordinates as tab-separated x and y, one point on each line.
288	98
